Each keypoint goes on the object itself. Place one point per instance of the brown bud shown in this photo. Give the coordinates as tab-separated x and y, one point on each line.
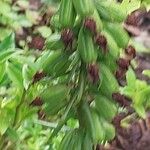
101	41
93	73
134	18
90	24
37	42
123	63
130	51
67	36
121	99
120	73
117	119
37	102
38	76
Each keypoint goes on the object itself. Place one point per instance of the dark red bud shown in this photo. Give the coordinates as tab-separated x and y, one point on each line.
121	99
67	36
130	51
117	119
123	63
90	24
135	17
117	123
37	43
101	41
38	76
132	20
37	102
120	73
93	73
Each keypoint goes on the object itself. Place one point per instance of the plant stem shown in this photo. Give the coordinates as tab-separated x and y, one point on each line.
18	108
51	125
77	95
63	120
81	84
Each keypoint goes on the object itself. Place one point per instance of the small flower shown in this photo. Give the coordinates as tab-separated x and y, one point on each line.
67	36
130	51
123	63
90	24
122	100
37	43
38	76
101	41
134	18
120	73
37	102
117	119
93	73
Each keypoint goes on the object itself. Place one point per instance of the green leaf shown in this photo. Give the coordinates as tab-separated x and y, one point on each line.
5	55
32	16
51	59
25	112
140	85
23	21
109	130
44	31
55	21
55	94
118	33
128	91
146	72
12	134
13	100
41	60
130	6
27	74
146	1
54	42
55	98
112	45
140	110
2	71
131	78
6	116
5	80
146	4
141	96
8	43
15	73
5	32
30	61
5	7
53	109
